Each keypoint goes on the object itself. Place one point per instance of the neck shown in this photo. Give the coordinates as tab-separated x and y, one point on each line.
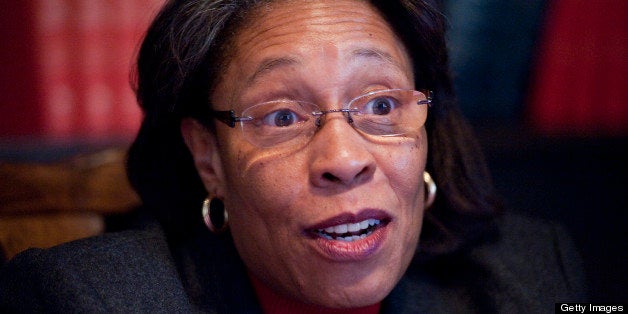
273	303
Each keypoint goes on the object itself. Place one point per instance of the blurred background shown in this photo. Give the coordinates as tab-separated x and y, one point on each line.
543	82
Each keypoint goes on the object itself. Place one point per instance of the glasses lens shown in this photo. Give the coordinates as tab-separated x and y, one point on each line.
278	122
389	112
382	113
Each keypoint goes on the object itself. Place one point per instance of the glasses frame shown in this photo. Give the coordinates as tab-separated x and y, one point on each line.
230	118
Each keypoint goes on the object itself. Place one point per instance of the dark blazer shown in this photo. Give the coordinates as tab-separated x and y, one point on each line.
527	268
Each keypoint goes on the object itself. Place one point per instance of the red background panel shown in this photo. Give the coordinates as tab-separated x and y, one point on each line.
581	78
66	67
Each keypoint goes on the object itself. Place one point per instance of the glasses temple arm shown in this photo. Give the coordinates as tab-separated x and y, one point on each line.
428	98
227	117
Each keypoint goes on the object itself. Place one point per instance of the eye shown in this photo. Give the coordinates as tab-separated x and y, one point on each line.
281	118
380	106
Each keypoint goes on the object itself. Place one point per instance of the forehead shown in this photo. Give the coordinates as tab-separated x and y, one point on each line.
312	15
283	33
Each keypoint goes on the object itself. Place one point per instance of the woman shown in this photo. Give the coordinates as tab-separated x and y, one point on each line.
299	133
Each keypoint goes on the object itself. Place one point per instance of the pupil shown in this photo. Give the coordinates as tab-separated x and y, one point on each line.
284	118
381	107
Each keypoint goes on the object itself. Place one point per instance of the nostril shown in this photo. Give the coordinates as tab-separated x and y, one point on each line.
330	177
357	178
363	173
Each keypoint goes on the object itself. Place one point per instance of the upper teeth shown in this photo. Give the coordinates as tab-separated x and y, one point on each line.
351	227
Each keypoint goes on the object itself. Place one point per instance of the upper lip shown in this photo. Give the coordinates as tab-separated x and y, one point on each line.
347	218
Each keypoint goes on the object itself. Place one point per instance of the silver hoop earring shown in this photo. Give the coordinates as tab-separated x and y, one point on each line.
215	216
430	189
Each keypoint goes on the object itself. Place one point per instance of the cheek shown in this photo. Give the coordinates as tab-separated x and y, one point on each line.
404	167
262	183
404	171
268	178
247	169
261	189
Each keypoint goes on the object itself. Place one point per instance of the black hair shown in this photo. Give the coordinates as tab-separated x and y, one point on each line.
179	63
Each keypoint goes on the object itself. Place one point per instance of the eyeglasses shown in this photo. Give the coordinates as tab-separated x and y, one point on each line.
385	113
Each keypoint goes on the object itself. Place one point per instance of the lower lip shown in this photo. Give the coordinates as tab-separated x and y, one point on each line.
358	250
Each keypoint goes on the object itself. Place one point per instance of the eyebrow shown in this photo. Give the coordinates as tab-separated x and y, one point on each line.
271	64
378	55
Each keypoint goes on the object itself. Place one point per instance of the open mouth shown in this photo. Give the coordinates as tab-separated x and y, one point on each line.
351	231
351	237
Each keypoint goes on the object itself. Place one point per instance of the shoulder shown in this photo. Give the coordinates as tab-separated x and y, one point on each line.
528	263
532	264
131	269
534	248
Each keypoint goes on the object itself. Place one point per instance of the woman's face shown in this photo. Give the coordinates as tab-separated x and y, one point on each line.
287	204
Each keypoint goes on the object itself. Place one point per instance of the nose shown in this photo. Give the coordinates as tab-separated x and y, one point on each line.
339	156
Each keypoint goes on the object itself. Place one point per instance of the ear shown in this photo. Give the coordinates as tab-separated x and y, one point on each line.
204	148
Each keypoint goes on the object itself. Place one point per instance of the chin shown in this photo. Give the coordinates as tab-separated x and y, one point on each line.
356	280
353	291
